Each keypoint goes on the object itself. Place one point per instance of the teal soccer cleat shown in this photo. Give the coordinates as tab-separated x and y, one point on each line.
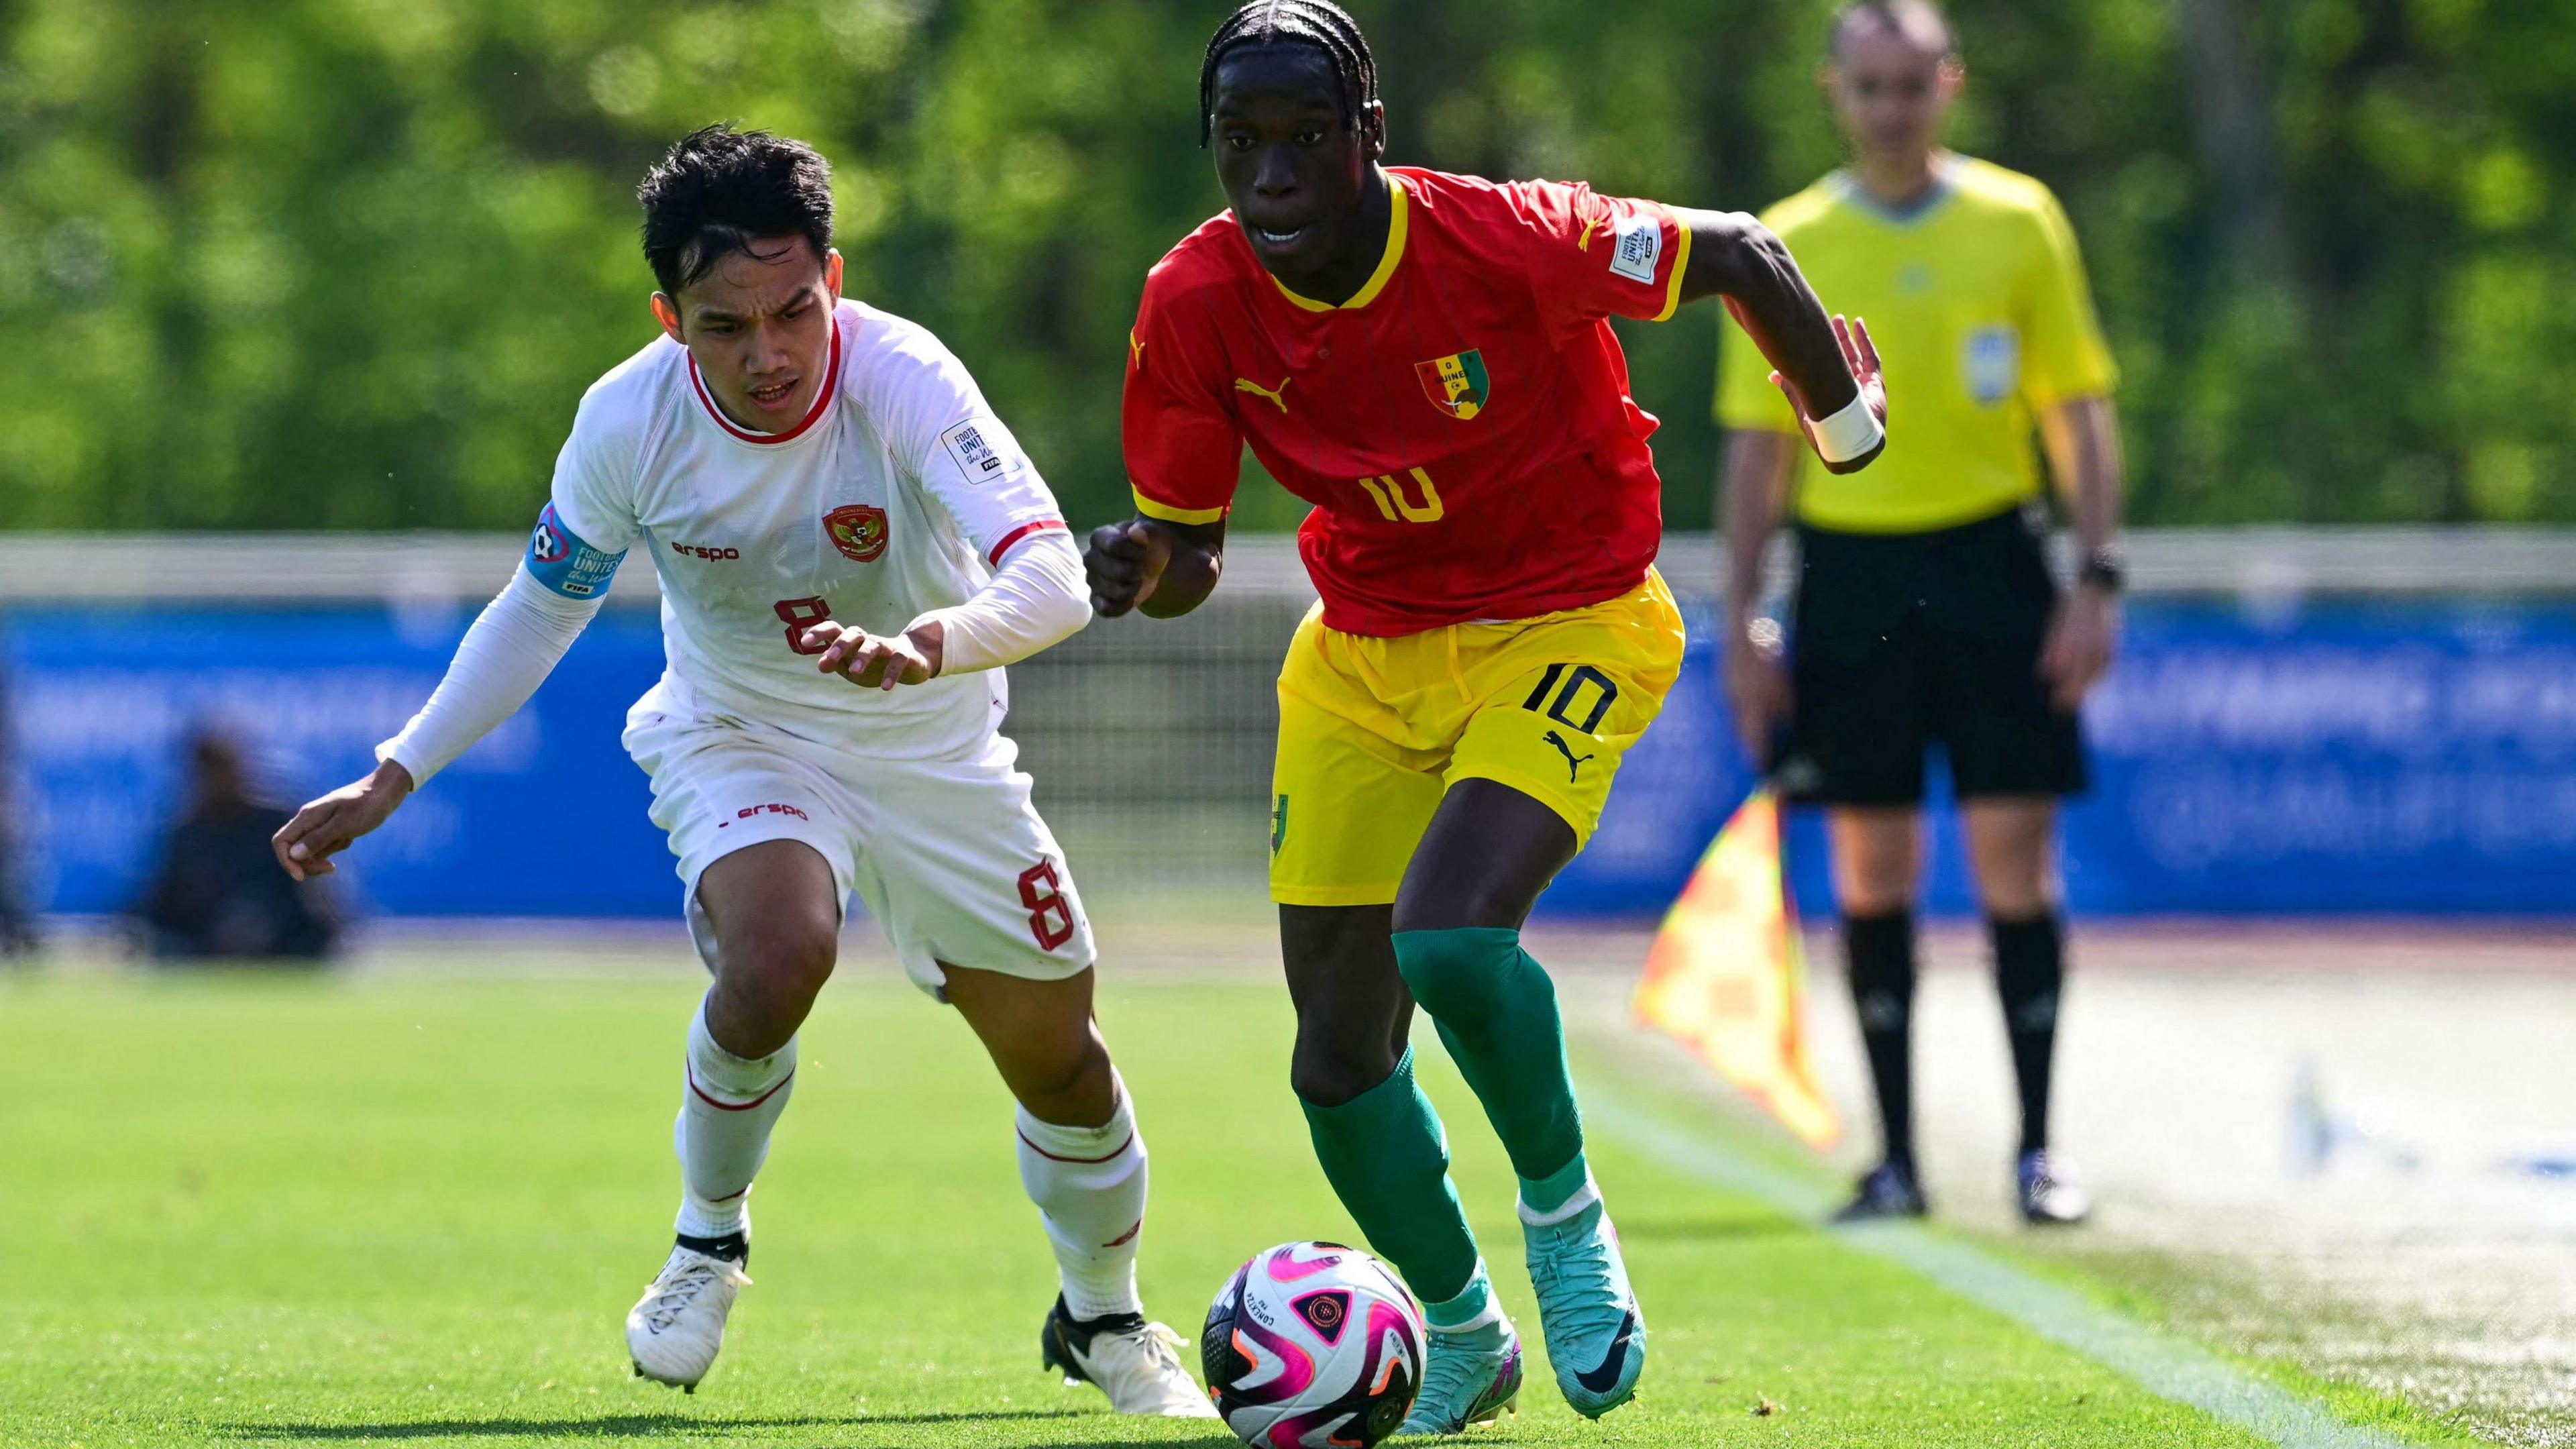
1596	1338
1465	1383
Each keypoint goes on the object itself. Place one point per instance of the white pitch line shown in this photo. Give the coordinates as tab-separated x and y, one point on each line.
2168	1366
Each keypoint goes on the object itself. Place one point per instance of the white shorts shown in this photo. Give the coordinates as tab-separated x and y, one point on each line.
947	854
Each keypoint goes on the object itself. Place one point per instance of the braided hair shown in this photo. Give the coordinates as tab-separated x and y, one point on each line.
1319	23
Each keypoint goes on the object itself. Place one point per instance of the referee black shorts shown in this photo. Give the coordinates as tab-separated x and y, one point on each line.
1902	641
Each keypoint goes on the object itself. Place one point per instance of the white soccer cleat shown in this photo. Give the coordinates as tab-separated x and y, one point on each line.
674	1331
2050	1193
1137	1364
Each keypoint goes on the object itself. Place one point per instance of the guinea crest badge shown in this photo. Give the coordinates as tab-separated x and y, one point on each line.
1455	384
858	530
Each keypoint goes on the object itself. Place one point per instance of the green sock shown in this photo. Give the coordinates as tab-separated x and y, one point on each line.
1496	1011
1458	1316
1384	1154
1547	1194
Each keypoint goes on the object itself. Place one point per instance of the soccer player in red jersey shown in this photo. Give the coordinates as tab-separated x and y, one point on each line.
1426	359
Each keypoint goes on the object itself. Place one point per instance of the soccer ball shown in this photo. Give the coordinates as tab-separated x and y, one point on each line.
1312	1345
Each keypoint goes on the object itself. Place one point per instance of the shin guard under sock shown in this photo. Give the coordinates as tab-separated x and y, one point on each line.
2030	972
1386	1157
1496	1012
1881	953
728	1104
1089	1187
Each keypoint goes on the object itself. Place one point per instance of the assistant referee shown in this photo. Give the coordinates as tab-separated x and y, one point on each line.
1925	612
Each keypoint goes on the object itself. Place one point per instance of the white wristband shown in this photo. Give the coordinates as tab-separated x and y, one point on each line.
1850	433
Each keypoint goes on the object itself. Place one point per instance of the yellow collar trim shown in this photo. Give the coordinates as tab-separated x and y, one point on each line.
1395	230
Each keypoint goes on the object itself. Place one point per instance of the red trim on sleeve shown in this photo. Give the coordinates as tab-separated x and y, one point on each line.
1015	535
822	399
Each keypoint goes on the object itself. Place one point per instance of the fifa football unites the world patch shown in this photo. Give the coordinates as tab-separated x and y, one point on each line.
1639	249
558	559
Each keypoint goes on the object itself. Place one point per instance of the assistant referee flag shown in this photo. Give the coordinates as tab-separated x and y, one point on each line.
1726	974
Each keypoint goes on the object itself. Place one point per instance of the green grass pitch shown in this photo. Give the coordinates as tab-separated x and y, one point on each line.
413	1209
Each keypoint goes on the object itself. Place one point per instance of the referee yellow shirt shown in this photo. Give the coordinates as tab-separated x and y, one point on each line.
1978	303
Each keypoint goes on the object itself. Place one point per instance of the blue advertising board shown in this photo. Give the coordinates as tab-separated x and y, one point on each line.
2271	757
544	818
2403	756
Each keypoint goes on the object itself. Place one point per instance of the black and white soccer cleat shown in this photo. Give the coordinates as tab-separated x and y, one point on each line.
675	1330
1137	1364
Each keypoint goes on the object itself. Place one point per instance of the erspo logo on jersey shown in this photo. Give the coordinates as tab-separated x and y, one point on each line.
558	559
858	530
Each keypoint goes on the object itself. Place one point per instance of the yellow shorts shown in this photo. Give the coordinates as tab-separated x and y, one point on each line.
1373	731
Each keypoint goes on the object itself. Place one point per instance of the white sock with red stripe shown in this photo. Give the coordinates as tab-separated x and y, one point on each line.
1089	1185
727	1106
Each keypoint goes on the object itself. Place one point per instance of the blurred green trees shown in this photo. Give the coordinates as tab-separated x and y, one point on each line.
349	263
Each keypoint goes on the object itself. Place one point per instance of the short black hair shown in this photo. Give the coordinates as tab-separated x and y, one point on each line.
1920	21
1319	23
719	189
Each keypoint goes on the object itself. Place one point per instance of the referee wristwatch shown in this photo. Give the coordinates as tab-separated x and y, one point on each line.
2106	569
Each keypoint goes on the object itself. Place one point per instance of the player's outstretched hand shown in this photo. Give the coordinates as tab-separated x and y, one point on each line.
325	827
874	661
1123	563
1860	354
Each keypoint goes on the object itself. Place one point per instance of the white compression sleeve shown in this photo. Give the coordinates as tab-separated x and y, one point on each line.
1035	600
517	642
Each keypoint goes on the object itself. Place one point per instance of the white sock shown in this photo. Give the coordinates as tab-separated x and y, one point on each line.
727	1106
1089	1185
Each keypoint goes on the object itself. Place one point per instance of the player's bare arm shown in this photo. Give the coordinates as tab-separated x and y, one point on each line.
1147	565
1823	363
2082	436
1759	468
329	825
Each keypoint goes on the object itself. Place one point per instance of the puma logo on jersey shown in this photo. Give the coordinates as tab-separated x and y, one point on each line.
1583	243
1573	761
1245	384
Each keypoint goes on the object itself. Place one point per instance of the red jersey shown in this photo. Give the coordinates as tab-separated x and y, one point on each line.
1462	425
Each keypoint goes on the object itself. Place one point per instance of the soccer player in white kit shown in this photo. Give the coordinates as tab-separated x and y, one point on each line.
850	546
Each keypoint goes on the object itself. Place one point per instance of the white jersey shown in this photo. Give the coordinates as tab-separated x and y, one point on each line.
898	493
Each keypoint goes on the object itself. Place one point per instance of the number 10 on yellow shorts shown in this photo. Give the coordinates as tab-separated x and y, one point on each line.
1372	731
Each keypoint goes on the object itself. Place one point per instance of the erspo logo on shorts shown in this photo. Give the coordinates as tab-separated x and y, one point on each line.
558	559
754	812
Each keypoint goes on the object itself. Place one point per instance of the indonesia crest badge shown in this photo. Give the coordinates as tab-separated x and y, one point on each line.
1455	384
857	530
